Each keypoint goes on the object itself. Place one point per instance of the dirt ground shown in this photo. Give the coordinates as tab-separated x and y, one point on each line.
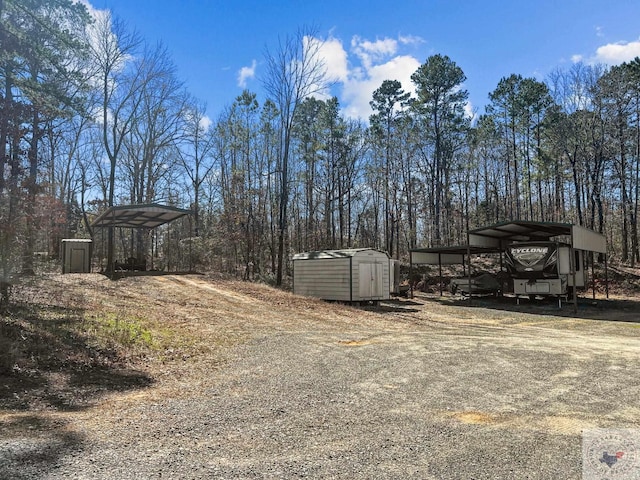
247	381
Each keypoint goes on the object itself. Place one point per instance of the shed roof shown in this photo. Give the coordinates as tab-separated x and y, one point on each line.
150	215
328	254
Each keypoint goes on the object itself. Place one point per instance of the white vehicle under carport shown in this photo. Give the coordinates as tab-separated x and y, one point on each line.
482	283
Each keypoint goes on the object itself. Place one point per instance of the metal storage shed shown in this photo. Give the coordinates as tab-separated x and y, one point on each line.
351	275
76	255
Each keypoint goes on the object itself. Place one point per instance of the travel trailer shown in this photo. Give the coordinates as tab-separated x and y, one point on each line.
545	268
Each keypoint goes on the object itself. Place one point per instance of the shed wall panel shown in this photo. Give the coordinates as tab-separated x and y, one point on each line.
339	278
76	255
327	278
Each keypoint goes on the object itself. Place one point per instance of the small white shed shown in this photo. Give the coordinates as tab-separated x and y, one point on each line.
351	275
76	255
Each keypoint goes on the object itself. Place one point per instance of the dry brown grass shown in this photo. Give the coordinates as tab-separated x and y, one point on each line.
71	340
68	340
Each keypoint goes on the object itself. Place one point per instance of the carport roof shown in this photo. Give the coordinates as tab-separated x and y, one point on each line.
494	238
456	250
519	231
522	230
150	215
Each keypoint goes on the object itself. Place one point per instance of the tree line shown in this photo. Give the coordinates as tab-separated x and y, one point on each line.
93	116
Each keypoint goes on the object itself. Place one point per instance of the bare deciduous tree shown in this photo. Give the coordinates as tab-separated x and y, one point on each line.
295	71
112	46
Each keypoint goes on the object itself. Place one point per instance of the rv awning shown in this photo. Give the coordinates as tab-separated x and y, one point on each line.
139	216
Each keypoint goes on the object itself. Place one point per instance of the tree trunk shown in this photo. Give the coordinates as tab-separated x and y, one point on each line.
31	187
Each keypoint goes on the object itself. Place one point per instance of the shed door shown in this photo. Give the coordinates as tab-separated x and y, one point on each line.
370	281
77	260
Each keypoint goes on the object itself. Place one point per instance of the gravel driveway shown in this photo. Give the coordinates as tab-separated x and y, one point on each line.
415	390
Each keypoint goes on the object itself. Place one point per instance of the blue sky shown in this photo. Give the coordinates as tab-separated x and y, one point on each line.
218	45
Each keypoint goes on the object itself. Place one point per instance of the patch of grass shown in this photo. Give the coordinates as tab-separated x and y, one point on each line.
134	335
39	337
120	330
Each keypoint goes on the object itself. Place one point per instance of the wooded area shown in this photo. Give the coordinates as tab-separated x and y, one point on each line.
92	116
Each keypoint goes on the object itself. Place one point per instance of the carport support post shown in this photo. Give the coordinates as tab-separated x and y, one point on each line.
572	263
152	240
469	261
110	246
593	275
440	271
606	276
190	245
411	273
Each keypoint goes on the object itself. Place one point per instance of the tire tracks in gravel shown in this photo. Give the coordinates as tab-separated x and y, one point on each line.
357	325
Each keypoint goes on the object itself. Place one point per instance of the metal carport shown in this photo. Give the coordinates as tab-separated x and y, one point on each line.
147	216
494	239
453	255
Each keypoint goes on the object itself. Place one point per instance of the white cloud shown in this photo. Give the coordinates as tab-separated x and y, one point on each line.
246	73
358	91
612	53
616	53
469	110
357	73
204	122
335	60
372	52
411	40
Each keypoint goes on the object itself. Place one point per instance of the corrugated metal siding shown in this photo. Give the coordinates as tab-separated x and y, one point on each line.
333	278
76	255
326	278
